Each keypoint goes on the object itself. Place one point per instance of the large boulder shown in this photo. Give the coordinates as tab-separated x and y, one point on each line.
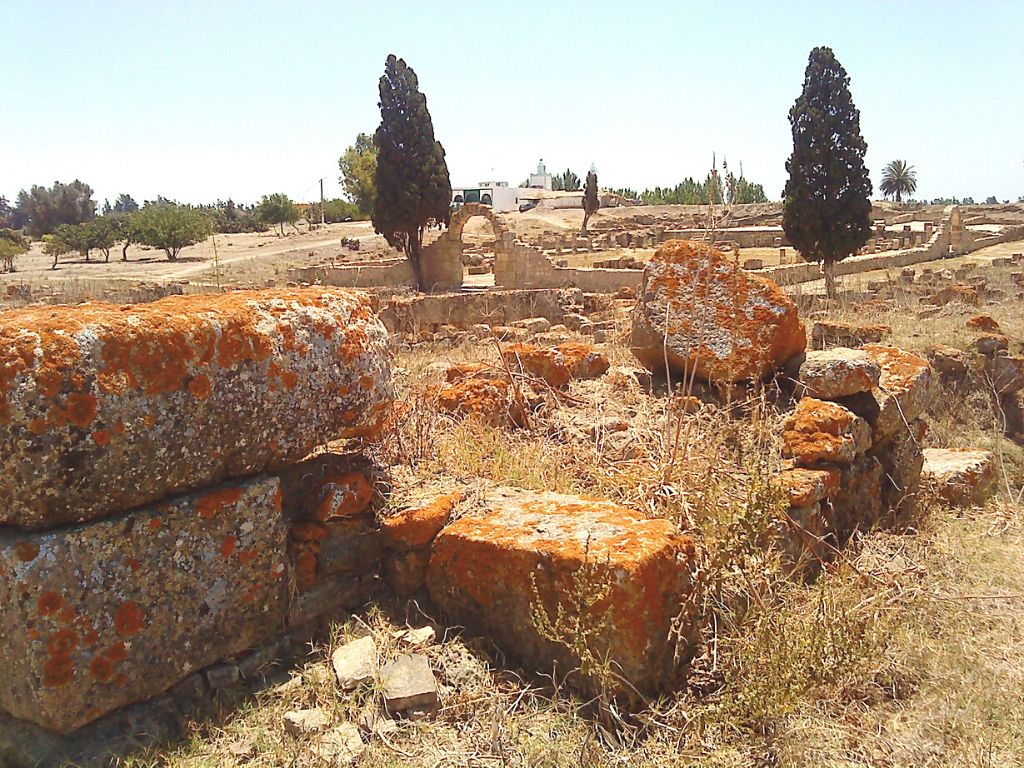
700	313
101	615
524	553
105	407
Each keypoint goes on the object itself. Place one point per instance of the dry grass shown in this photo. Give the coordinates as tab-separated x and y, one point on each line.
905	652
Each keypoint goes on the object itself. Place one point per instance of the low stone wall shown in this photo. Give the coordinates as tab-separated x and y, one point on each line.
937	247
369	274
138	543
754	237
413	314
519	265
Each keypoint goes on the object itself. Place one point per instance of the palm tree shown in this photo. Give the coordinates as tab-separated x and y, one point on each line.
898	179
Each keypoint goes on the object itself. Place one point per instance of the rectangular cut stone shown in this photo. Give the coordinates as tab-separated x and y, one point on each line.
101	615
104	408
489	568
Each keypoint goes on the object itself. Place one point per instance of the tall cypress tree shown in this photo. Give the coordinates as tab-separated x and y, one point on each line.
591	202
827	209
413	187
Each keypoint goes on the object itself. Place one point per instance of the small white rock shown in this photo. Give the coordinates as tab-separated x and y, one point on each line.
304	721
355	663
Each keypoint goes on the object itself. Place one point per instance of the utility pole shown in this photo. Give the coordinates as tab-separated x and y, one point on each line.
322	222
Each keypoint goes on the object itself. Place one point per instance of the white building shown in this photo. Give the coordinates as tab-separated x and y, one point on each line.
497	194
500	196
541	179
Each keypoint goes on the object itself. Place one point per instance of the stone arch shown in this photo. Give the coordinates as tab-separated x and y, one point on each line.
442	259
467	212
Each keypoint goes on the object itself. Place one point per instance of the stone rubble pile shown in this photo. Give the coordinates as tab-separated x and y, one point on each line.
853	443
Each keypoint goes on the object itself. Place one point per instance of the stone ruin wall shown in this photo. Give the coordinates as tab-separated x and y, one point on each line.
149	525
520	265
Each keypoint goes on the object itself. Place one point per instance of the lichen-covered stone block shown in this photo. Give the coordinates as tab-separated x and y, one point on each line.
699	313
821	431
106	407
837	372
559	365
101	615
491	570
907	388
960	477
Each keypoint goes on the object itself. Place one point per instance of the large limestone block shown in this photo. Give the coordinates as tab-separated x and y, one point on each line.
828	333
100	615
701	312
837	372
105	407
492	568
960	477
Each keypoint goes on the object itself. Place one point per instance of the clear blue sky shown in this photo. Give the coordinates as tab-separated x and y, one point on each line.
205	100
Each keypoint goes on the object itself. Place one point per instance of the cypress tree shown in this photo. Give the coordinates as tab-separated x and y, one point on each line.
591	202
413	187
827	209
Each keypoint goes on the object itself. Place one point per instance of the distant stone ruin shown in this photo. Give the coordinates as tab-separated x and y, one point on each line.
518	264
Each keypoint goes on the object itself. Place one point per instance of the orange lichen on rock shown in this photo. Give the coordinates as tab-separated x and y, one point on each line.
488	568
820	431
198	386
89	629
416	526
699	313
49	603
906	390
128	619
984	323
489	401
27	551
463	371
213	502
559	365
343	495
806	487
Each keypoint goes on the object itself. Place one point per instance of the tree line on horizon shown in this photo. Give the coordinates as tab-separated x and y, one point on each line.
66	219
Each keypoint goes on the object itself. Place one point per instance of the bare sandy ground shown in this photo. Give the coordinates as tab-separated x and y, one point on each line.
254	259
